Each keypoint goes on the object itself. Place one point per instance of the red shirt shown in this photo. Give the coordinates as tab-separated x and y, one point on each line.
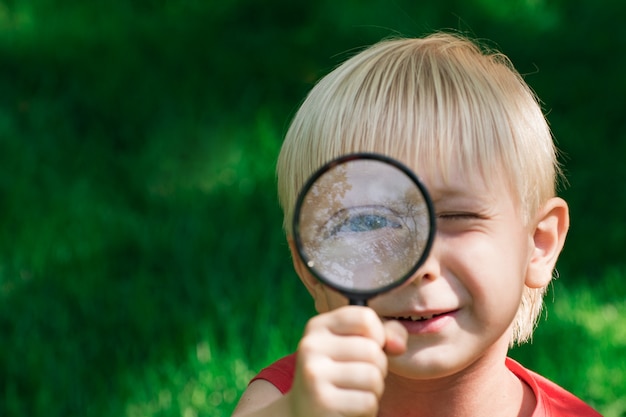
552	400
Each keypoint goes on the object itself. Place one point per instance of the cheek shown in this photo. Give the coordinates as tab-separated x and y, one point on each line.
327	299
492	273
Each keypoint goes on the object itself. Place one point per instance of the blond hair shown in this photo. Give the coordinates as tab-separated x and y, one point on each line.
439	100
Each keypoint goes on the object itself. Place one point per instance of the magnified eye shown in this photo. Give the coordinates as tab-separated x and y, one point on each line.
359	220
365	223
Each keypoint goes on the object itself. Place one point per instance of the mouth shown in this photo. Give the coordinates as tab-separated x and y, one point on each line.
416	318
426	323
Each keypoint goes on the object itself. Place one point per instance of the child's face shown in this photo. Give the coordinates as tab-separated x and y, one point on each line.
472	282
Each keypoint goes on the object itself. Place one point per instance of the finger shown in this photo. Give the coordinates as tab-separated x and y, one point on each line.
360	349
338	349
327	399
359	376
355	403
350	320
329	385
396	337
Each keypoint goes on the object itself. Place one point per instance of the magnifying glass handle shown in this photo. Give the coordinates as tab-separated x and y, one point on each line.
358	302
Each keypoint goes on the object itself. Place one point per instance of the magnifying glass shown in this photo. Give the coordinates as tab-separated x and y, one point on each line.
363	224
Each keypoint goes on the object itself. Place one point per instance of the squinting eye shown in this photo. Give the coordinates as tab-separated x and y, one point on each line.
457	216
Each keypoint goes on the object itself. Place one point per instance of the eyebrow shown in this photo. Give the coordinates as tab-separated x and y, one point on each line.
441	194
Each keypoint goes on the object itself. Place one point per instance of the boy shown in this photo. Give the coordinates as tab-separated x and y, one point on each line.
464	120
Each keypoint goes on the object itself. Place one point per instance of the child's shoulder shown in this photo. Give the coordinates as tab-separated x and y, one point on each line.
552	400
280	373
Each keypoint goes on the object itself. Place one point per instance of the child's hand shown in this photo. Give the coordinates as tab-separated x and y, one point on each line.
341	364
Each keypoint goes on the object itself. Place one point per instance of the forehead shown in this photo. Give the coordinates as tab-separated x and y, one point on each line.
465	180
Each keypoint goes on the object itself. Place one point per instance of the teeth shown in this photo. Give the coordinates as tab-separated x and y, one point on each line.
416	318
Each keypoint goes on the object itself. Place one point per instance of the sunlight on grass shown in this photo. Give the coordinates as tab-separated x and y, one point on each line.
606	305
601	314
232	348
582	346
581	342
206	384
16	21
539	13
214	157
143	271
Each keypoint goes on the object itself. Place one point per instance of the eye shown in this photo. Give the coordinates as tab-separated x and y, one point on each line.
365	223
458	216
361	220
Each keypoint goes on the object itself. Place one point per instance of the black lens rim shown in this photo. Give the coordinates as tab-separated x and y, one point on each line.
362	295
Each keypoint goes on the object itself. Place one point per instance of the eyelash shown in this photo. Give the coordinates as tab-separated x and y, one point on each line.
457	216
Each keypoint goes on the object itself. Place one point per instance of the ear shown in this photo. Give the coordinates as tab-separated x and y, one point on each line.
548	237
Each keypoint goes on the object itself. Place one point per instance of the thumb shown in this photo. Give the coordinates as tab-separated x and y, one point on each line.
395	338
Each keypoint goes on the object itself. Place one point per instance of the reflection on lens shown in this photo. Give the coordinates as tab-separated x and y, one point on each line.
363	225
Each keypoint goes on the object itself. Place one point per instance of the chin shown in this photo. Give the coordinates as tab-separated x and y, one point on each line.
422	366
432	362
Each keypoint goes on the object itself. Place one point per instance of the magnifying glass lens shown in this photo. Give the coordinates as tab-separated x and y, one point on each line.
363	225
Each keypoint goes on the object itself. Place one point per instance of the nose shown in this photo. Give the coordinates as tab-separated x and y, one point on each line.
430	268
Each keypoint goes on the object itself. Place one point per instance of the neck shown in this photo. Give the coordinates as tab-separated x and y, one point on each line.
486	388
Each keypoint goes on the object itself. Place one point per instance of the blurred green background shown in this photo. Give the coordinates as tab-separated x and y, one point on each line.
143	270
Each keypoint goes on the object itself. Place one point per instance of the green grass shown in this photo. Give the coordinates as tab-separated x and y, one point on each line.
167	304
570	346
581	344
210	379
143	271
187	297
